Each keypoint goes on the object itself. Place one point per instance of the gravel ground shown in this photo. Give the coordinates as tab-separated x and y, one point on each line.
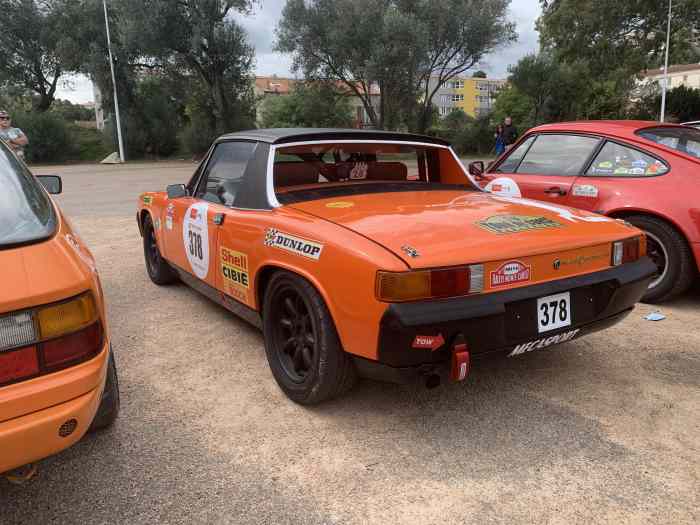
603	429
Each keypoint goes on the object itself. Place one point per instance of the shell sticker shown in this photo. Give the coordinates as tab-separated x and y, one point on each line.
505	187
234	270
195	237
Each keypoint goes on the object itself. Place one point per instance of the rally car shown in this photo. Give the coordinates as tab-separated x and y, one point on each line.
57	373
642	172
372	253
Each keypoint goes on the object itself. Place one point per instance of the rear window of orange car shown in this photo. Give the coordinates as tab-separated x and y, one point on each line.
26	213
683	139
308	171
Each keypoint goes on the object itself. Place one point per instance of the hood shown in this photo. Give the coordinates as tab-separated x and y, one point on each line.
50	271
454	227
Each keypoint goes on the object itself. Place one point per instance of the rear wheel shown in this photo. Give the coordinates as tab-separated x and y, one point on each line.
669	250
158	269
301	342
109	404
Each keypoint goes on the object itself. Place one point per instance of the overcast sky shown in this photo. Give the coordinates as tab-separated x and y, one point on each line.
261	24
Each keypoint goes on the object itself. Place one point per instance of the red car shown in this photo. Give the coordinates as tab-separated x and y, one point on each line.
643	172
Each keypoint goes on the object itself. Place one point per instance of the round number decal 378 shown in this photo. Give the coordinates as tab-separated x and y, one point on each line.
195	235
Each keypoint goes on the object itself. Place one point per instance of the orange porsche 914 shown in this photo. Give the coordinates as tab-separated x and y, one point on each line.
57	372
374	254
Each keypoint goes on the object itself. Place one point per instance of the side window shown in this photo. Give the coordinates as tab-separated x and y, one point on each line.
558	155
511	163
618	160
224	172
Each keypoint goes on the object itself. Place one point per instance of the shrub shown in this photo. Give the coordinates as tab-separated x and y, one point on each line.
49	136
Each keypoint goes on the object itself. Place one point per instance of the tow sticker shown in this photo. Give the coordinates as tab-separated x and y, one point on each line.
585	190
234	269
296	245
195	236
544	343
505	187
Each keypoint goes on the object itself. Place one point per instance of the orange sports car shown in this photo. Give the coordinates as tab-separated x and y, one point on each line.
374	254
57	373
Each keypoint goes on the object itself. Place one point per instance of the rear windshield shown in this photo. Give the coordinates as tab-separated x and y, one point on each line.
315	171
26	213
686	140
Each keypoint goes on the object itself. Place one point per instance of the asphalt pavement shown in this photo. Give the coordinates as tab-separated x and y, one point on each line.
602	429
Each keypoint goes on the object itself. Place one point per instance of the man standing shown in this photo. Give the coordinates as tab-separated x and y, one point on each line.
510	134
14	137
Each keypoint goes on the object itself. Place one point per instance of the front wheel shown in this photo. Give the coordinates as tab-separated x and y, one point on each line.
668	249
158	269
301	342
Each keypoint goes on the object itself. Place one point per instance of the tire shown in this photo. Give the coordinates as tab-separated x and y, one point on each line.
158	268
108	410
668	248
313	367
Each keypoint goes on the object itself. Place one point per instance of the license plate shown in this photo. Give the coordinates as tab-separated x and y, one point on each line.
553	311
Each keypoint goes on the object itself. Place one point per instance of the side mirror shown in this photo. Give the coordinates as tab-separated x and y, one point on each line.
52	183
176	191
476	169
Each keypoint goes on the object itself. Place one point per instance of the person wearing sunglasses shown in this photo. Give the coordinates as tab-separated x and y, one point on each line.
14	137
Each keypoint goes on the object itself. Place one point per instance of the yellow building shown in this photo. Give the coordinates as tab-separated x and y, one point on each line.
474	96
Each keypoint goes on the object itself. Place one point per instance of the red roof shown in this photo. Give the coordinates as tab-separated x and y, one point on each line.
614	128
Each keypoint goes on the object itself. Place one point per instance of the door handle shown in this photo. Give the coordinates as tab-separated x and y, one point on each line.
555	190
219	219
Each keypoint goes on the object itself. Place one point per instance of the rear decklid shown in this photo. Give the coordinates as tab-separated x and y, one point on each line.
452	227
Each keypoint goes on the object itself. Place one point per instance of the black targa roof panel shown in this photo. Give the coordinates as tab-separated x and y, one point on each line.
289	135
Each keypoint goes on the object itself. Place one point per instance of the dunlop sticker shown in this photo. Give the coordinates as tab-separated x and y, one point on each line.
290	243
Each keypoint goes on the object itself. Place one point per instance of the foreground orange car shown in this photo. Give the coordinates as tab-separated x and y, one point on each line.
372	253
57	373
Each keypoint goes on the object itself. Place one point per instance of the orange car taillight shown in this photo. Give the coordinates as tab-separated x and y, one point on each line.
49	338
397	287
628	250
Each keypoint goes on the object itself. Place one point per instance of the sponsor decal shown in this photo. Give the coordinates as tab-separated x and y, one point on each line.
636	171
544	343
147	200
622	170
290	243
505	187
566	214
511	272
195	237
234	269
640	163
428	342
169	216
502	224
580	260
340	204
585	190
359	171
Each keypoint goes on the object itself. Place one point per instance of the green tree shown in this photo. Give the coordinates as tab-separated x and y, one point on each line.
479	74
30	43
682	104
312	105
396	44
510	102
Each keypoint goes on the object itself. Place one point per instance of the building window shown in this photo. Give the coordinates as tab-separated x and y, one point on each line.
457	98
444	99
457	84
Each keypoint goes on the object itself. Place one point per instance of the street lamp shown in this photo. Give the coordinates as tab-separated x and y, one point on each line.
114	83
665	82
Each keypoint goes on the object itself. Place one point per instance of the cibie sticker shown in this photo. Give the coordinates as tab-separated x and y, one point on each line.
511	272
290	243
544	343
234	269
195	236
504	186
585	190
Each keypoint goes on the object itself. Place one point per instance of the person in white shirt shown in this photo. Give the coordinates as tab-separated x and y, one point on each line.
14	137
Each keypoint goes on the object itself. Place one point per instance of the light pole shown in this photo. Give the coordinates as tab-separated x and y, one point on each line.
114	83
665	83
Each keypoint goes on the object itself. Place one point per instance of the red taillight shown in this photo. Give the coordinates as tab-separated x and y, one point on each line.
450	283
73	348
627	251
397	287
16	365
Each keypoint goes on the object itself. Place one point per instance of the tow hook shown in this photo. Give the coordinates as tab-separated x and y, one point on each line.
21	475
460	359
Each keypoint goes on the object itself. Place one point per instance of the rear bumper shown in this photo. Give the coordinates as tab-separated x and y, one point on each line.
503	323
33	434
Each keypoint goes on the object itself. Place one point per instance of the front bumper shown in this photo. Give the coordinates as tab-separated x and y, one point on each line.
501	323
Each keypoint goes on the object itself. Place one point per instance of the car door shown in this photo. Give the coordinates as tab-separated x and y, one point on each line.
615	168
543	167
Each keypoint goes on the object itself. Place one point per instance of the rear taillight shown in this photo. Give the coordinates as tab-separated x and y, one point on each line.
397	287
628	250
49	338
